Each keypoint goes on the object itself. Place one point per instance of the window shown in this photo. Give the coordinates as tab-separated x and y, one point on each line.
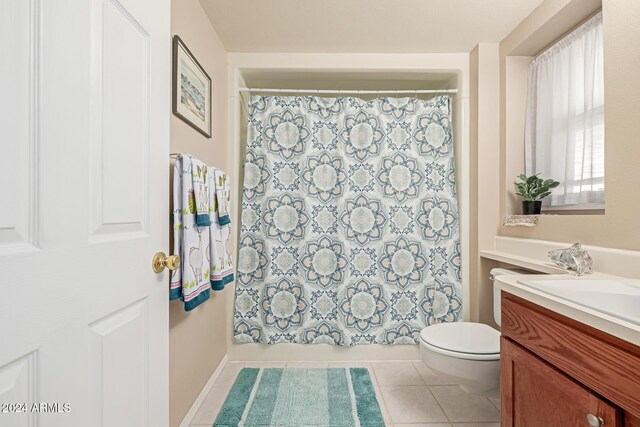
564	132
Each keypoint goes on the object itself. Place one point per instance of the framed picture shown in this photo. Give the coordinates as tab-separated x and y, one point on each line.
191	89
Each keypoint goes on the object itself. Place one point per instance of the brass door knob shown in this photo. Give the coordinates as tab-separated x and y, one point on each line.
161	260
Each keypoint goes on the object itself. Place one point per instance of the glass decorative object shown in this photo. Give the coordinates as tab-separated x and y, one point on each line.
573	258
520	220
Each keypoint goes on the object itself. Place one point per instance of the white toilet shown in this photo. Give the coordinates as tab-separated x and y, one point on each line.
467	353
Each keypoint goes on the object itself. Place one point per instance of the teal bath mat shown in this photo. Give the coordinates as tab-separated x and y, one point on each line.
333	397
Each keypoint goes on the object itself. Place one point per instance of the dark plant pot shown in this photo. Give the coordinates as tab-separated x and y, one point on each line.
531	207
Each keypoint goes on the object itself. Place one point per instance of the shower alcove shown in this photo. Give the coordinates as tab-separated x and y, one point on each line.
349	72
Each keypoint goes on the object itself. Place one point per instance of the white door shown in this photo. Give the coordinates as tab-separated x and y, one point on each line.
84	159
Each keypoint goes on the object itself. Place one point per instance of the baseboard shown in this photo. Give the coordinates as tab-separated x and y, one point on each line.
203	394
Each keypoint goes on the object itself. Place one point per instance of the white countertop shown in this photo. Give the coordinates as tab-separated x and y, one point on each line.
546	267
617	327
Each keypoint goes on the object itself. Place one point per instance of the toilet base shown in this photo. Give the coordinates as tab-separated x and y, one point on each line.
493	394
474	376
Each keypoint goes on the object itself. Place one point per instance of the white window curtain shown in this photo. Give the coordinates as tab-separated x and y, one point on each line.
564	132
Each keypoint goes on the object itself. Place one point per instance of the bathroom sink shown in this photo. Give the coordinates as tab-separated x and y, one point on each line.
616	297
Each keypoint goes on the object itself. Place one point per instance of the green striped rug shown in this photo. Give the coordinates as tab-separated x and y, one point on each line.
332	397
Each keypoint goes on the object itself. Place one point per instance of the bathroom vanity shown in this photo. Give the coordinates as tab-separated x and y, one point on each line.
564	363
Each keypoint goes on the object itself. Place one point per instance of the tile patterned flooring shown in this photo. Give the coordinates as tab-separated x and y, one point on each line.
410	395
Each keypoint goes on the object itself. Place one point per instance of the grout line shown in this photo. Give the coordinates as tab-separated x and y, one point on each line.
373	371
383	403
408	385
418	374
439	405
330	361
496	406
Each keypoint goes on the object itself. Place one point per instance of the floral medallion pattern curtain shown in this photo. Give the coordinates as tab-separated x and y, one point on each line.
349	231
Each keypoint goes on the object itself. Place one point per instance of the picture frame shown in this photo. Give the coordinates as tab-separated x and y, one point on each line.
191	89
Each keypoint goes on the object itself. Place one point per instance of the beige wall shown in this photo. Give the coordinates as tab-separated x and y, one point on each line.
484	71
618	227
515	78
474	106
197	340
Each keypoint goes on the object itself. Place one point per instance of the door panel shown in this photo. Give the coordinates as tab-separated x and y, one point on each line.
17	384
18	39
121	140
119	358
533	394
86	144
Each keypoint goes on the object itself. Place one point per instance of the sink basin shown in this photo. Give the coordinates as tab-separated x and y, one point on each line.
618	298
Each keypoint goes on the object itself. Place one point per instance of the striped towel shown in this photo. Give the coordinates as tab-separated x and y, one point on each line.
223	197
190	282
201	185
220	230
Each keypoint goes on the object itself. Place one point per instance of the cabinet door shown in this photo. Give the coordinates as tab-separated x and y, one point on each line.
536	394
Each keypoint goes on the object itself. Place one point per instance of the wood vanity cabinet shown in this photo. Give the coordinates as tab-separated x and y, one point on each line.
557	372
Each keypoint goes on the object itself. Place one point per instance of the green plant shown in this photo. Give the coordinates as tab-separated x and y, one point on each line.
534	188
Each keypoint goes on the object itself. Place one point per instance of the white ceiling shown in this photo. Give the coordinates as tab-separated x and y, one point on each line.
380	26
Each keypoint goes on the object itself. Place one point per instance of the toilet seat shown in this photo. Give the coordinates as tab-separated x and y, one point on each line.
464	340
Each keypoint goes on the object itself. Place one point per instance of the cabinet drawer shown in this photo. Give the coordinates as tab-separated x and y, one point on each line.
603	363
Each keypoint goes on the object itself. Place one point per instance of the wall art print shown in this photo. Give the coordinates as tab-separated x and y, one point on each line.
350	229
191	89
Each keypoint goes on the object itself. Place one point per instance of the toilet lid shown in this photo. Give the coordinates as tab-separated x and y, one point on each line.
463	337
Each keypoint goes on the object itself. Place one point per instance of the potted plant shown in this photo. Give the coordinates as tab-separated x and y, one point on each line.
533	190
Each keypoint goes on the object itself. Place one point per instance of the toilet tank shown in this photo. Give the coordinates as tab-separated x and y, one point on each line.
496	292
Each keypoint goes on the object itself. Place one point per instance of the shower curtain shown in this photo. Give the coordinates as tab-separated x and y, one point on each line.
349	231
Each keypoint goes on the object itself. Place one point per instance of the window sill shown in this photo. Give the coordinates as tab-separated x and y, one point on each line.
573	211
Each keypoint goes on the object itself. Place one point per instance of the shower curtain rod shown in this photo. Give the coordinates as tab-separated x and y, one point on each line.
355	91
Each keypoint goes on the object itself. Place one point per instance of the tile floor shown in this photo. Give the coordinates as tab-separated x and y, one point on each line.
410	395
